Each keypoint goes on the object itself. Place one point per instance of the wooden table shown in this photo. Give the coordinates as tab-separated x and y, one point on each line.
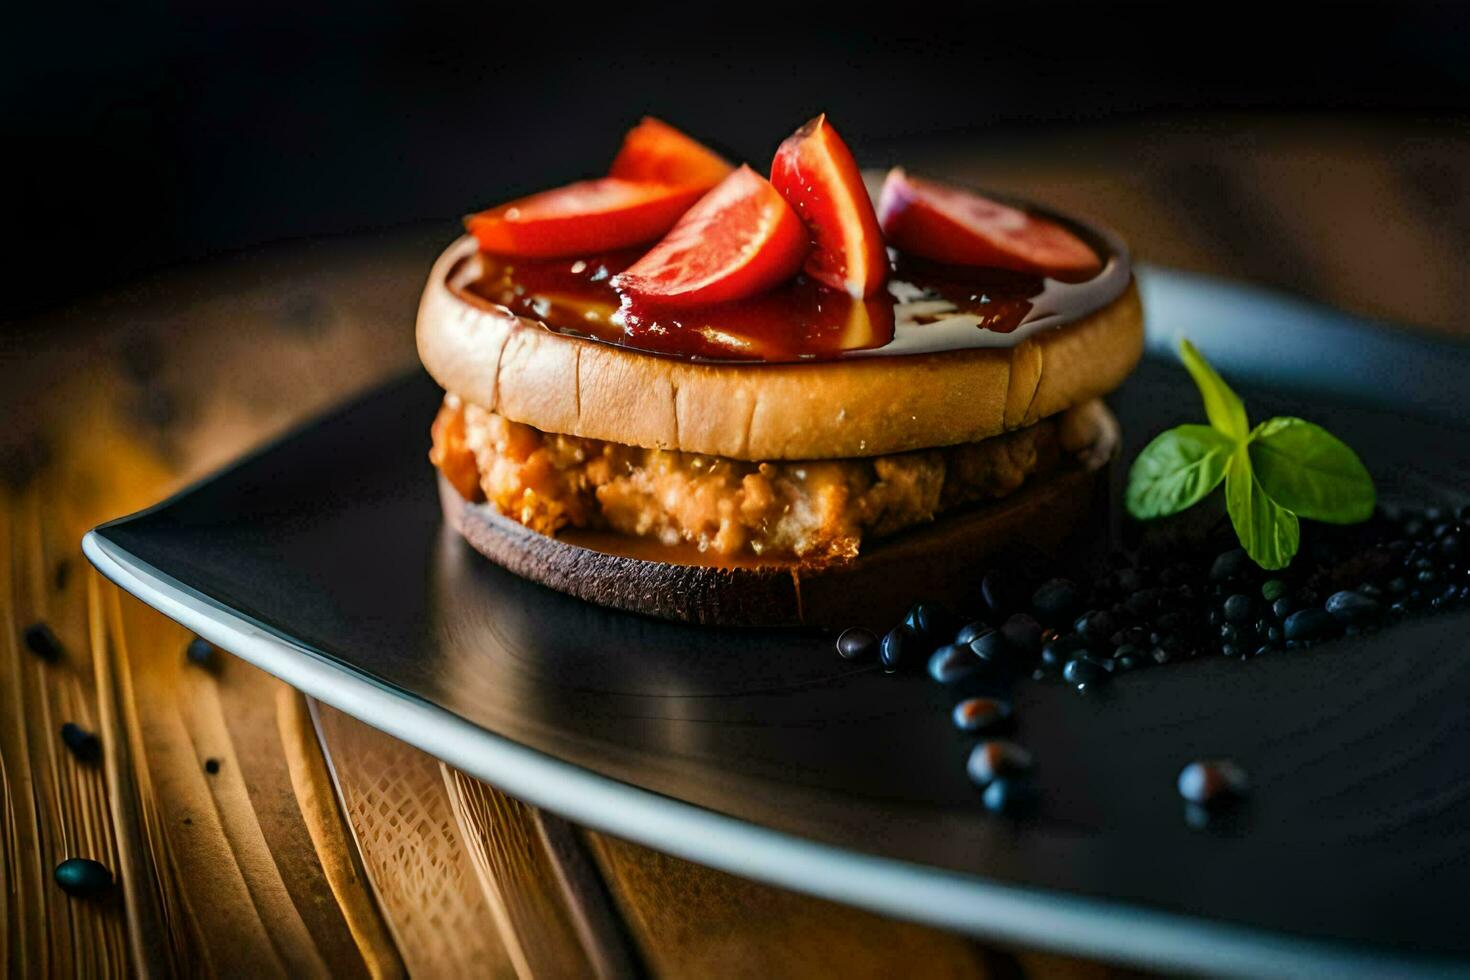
255	832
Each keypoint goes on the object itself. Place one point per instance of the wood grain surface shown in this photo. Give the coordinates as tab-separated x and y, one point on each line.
252	833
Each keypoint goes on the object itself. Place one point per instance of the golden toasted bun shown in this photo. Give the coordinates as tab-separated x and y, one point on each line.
816	410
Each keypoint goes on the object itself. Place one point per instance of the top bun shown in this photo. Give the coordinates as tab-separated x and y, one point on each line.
865	406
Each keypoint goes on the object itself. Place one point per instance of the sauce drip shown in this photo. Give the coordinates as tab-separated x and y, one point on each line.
927	307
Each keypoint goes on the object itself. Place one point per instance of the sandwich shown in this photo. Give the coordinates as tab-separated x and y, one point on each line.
702	392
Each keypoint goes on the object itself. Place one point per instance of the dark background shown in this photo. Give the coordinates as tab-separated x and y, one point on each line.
142	136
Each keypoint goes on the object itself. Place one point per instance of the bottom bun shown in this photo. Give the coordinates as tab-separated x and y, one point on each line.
939	561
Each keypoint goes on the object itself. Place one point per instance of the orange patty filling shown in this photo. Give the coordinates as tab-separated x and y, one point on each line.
813	509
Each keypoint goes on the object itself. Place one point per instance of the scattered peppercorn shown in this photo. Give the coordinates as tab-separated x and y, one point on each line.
1309	624
952	662
1232	564
995	757
981	714
1023	633
900	646
1055	600
82	743
200	652
1172	604
1352	607
971	630
1085	673
930	622
853	644
999	594
83	877
1211	782
1238	609
992	647
41	641
1008	795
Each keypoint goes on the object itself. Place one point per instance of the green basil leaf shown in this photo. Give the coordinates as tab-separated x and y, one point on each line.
1177	470
1311	472
1269	532
1222	406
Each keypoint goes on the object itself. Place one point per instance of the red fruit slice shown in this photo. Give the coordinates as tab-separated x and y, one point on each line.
655	151
960	227
741	239
582	218
815	172
802	320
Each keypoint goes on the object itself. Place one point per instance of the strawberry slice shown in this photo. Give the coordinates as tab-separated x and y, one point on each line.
582	218
655	151
959	227
741	239
815	172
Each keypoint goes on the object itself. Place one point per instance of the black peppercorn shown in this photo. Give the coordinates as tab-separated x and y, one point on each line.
1055	600
200	652
1308	624
82	743
930	622
970	631
1230	565
1085	673
41	641
952	662
857	644
1238	609
1209	782
1352	607
83	877
981	714
1008	795
995	757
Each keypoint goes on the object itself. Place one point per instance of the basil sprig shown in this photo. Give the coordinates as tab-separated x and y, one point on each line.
1282	469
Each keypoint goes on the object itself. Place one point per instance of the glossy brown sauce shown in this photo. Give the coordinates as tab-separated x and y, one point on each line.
927	307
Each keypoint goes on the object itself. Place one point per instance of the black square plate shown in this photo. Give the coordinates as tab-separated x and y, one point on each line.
323	559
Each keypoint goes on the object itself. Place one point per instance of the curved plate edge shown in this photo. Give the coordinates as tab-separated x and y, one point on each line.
1249	332
1062	923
